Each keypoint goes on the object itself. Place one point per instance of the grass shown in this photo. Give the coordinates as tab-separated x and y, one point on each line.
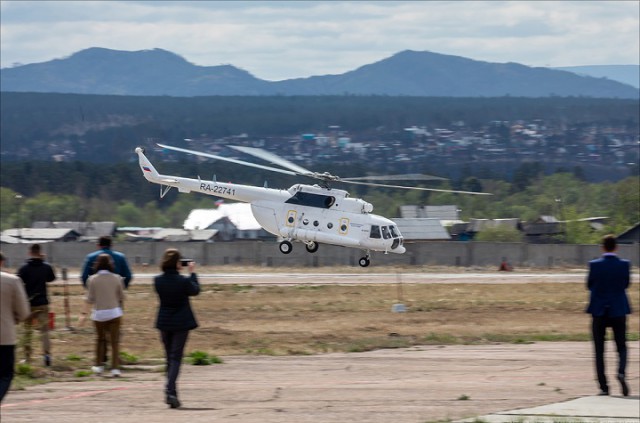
126	358
73	357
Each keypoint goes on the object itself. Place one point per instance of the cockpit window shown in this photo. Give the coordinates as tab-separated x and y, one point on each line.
375	231
385	232
312	200
394	232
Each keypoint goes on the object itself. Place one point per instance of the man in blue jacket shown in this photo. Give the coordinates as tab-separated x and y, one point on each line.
121	267
608	279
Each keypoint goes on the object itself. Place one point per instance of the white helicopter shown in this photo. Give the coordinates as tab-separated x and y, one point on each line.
312	214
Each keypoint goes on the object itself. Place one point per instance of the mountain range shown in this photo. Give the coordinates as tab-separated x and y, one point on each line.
407	73
627	74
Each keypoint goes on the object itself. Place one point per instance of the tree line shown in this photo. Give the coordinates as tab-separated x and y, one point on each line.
46	191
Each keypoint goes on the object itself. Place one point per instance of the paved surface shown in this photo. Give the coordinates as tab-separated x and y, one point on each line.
418	384
270	278
585	409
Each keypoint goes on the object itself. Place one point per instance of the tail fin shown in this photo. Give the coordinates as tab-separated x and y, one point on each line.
148	171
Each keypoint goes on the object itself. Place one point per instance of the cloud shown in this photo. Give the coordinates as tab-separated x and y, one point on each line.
288	39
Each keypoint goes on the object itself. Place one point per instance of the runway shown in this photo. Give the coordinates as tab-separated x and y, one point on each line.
300	278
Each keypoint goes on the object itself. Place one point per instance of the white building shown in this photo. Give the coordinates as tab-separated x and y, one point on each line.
231	220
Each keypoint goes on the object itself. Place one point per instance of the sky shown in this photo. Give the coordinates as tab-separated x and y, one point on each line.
276	40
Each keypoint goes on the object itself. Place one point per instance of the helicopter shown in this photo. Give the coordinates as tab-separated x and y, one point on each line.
311	214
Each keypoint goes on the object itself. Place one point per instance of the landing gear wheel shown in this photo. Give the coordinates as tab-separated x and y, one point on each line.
364	261
312	247
286	247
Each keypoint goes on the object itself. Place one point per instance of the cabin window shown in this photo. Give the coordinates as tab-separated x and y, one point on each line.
312	200
375	231
394	231
385	232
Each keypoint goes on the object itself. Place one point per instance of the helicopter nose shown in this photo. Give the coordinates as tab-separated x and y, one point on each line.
397	246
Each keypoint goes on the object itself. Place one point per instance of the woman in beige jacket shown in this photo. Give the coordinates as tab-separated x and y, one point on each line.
105	292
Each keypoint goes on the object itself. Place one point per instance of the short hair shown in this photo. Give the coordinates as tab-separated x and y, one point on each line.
170	260
104	241
35	249
103	262
609	243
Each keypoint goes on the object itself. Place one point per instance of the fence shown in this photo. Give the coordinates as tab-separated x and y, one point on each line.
261	253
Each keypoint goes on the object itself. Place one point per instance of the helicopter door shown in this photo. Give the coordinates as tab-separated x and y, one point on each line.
344	226
291	218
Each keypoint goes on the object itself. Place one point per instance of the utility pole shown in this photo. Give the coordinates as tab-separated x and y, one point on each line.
19	224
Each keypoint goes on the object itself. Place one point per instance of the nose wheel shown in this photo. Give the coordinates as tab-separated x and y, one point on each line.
364	261
285	247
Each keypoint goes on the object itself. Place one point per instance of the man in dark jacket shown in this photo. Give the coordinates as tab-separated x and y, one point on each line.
35	274
175	317
608	279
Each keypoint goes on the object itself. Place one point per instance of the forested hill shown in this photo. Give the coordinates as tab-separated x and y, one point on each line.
107	128
407	73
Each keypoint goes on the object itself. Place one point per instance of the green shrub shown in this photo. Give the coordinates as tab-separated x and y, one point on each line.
126	358
73	357
199	358
24	369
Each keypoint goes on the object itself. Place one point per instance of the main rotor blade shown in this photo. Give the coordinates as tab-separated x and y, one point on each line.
270	157
405	177
227	159
416	188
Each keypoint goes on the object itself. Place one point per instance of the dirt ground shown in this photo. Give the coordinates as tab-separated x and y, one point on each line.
335	351
407	385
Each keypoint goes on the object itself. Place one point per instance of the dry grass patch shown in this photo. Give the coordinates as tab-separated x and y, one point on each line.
309	319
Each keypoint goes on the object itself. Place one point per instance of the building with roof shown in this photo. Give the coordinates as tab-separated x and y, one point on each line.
184	235
422	229
466	231
232	221
33	235
477	225
447	213
630	236
89	231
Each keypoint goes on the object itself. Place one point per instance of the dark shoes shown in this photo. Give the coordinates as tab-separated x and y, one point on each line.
173	401
623	384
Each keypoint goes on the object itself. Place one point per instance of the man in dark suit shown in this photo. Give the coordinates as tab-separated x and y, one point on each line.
608	279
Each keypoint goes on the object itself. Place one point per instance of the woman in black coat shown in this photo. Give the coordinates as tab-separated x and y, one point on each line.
175	317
